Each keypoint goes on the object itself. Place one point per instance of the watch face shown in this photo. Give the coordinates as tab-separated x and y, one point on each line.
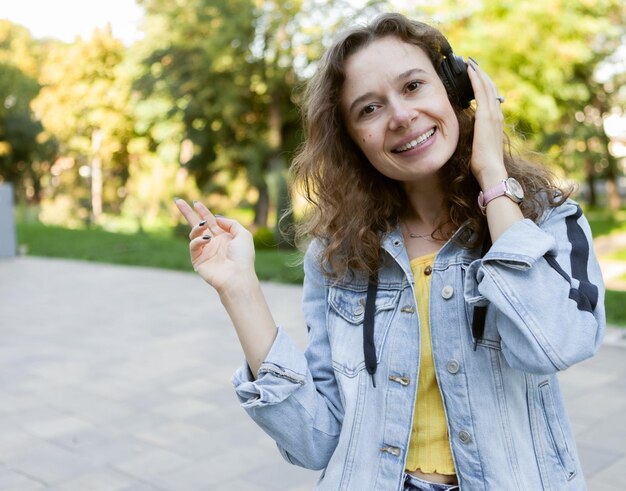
516	188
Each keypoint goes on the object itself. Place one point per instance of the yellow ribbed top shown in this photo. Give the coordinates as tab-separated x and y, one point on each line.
429	448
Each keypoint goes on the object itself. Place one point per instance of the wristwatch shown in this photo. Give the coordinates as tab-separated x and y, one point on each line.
508	187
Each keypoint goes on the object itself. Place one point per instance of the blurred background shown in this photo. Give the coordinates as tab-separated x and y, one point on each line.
110	110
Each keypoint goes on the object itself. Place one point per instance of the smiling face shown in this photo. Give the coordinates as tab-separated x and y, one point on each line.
397	111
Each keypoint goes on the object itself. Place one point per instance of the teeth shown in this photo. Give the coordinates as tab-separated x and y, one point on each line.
416	142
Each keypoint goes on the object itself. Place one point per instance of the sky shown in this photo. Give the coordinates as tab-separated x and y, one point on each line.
67	19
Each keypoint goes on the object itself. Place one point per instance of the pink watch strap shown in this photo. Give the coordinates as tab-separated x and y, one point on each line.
491	193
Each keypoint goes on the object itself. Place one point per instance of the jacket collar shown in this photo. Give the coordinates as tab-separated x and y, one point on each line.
393	242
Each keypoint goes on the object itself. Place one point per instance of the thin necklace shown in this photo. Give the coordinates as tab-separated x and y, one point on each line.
428	237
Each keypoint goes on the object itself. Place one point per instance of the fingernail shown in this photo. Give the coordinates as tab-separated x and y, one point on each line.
194	202
176	199
202	223
206	237
218	216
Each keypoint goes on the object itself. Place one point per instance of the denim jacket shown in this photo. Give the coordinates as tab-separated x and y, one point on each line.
507	424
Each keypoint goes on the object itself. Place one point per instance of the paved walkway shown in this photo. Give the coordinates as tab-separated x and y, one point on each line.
117	378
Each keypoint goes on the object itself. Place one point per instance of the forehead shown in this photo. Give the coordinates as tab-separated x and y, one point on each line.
382	61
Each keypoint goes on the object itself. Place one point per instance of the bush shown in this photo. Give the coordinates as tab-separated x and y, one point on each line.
264	239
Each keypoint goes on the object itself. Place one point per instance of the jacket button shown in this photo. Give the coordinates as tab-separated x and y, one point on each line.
359	310
428	270
395	451
452	366
408	309
447	292
464	436
400	380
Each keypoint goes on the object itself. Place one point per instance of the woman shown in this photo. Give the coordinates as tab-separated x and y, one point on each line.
446	283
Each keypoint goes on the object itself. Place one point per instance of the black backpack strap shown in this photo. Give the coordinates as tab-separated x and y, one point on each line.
369	348
480	312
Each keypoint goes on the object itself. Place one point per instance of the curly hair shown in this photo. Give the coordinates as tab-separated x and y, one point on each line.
353	204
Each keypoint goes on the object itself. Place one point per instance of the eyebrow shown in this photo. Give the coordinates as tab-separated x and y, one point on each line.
368	95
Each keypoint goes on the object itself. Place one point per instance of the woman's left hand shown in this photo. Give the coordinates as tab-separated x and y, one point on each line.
487	162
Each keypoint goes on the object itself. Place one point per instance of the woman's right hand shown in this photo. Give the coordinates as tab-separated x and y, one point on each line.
222	250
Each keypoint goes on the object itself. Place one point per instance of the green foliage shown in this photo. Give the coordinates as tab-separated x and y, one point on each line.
204	107
228	70
85	104
20	147
264	239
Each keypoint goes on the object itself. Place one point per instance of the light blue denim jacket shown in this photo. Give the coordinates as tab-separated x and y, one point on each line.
507	423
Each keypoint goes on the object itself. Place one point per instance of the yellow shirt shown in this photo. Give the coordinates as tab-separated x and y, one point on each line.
429	447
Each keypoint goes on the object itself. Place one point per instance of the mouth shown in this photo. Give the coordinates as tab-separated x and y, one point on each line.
415	142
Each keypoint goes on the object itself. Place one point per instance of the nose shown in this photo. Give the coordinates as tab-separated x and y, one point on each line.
402	115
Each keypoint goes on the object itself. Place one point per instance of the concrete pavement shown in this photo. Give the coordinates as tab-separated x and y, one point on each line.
118	378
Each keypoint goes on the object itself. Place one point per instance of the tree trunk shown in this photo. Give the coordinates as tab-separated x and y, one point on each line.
278	167
612	190
262	206
590	178
96	177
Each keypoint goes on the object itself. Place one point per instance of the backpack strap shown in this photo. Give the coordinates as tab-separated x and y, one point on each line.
369	348
480	312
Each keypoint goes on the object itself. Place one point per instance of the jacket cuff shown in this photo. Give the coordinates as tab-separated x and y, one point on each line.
280	375
519	247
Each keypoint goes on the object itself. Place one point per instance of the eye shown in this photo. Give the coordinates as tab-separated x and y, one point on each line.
369	109
413	86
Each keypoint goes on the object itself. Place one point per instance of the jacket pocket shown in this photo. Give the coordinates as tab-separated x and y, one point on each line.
345	325
555	433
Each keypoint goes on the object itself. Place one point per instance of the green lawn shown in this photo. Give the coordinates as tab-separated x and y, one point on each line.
615	303
605	222
141	250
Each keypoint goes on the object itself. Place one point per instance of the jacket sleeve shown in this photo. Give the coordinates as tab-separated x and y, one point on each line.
545	285
295	398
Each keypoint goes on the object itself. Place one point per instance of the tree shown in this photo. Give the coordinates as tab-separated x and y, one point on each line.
230	69
21	151
84	104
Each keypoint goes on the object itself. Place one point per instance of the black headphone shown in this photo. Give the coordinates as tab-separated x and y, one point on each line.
453	74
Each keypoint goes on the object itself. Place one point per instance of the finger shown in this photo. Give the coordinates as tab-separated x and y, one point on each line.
196	246
187	211
206	214
198	230
484	87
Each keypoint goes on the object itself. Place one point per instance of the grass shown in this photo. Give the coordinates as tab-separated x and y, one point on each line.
615	310
605	222
141	250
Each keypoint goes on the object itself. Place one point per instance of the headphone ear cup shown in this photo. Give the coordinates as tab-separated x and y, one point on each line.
453	74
